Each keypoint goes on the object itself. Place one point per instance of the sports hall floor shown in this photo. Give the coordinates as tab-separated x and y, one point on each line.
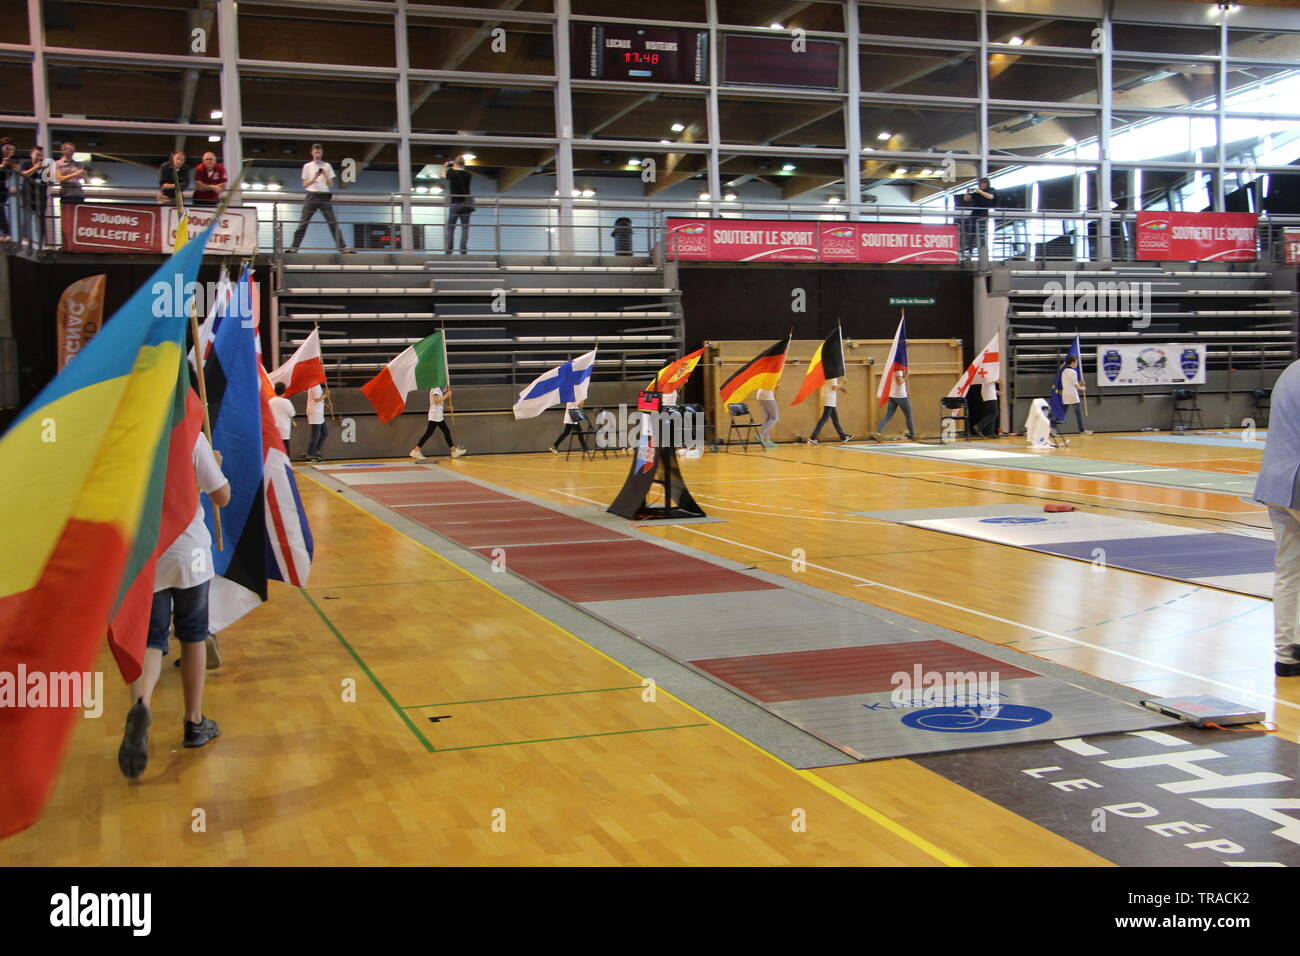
488	729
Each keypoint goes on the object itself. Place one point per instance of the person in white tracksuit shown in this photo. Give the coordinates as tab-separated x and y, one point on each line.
1038	427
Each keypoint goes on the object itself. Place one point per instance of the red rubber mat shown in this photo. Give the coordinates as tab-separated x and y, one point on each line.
619	569
802	675
430	491
502	534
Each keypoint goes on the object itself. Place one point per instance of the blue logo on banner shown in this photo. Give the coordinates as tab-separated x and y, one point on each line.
1111	363
1011	520
1191	362
977	720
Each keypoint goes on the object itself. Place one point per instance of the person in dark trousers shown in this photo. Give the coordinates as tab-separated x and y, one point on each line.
35	173
316	419
70	175
318	181
830	411
8	164
987	426
460	205
979	198
571	424
173	175
437	399
622	235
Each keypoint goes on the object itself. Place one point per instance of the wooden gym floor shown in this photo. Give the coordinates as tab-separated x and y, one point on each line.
555	758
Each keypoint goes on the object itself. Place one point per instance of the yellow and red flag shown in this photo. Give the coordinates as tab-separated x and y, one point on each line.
827	363
84	469
763	371
673	376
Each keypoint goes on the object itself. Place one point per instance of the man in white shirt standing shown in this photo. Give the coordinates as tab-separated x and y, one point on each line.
830	410
180	599
318	181
1071	388
897	400
437	397
282	411
316	419
766	399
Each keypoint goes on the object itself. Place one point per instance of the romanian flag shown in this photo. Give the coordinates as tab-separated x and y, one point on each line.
81	513
762	371
897	361
423	365
827	363
672	377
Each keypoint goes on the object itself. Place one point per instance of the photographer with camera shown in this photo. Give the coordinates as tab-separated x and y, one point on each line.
979	198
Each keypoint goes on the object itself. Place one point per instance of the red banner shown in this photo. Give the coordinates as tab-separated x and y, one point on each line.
1197	236
788	240
1291	246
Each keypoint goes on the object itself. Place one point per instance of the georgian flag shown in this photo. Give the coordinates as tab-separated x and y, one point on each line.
987	367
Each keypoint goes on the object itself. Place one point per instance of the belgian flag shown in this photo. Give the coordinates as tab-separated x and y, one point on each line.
827	363
762	371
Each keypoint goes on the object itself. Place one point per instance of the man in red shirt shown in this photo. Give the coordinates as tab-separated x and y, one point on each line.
209	180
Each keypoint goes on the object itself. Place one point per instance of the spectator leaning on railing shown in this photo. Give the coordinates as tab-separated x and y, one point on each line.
210	179
170	174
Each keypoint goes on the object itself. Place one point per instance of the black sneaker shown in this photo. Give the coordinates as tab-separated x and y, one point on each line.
133	755
1289	668
196	735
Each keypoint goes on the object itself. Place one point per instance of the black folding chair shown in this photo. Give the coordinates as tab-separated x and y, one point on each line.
584	434
745	429
1186	413
954	408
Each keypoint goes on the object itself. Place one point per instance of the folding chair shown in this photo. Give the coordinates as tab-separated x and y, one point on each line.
1185	416
953	408
587	432
746	429
1263	402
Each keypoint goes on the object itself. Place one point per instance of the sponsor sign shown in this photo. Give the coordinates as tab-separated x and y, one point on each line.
784	240
1172	364
1197	236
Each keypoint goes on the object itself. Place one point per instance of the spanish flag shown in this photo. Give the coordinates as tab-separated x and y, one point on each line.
762	371
81	513
827	363
673	376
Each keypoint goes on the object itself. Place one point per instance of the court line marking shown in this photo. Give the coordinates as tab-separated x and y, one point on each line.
1002	620
493	700
955	476
843	796
547	740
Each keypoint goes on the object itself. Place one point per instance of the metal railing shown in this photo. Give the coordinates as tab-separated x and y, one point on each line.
609	228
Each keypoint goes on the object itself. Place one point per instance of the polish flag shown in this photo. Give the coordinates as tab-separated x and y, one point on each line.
987	367
304	369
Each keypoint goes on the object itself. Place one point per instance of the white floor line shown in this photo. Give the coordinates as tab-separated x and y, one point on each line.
1002	620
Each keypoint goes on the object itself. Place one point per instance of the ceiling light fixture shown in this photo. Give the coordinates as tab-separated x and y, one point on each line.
677	128
788	167
1016	41
883	136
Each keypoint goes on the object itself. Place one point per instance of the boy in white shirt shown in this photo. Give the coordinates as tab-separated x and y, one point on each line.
181	580
318	181
436	399
282	411
316	419
830	410
897	400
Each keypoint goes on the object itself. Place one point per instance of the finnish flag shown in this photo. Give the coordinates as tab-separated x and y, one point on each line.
563	384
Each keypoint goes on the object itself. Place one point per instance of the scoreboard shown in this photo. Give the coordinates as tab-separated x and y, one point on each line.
616	51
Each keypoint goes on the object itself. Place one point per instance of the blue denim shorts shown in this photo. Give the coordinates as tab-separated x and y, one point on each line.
189	606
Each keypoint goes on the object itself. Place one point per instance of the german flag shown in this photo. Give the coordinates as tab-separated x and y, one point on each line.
673	376
762	371
827	363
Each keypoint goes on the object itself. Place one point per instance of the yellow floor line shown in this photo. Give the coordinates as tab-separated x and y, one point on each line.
872	814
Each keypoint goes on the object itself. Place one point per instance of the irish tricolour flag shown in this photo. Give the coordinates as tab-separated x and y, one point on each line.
423	365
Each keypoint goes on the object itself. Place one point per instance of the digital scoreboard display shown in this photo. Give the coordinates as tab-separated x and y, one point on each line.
615	51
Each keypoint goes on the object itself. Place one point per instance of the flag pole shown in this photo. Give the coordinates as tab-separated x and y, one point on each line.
203	397
446	368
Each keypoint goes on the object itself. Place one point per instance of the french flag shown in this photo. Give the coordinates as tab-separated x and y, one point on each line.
304	369
897	361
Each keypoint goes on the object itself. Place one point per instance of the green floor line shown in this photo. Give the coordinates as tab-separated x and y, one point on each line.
547	740
490	700
366	670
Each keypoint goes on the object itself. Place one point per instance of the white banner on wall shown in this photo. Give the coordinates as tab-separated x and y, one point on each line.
236	232
1169	364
